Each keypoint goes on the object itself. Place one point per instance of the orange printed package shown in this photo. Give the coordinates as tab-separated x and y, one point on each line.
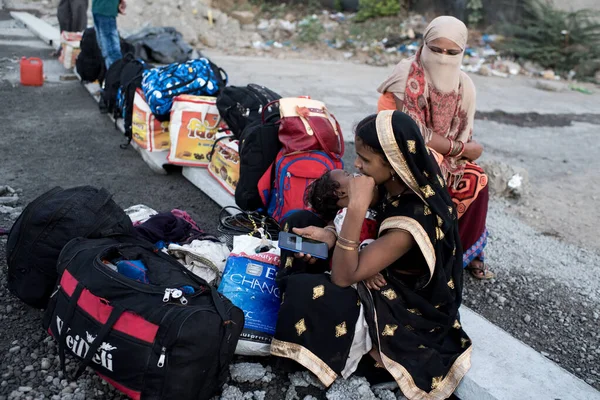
225	163
148	132
195	123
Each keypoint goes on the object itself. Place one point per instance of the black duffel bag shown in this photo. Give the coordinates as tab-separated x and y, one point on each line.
172	337
46	225
259	145
241	106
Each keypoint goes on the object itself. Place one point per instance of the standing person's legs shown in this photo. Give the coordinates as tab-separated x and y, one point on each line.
108	38
63	13
79	15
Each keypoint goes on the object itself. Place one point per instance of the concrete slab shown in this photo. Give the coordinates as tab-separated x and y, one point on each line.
505	368
49	34
205	182
155	160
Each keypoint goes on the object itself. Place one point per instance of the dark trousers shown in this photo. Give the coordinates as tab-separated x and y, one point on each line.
72	15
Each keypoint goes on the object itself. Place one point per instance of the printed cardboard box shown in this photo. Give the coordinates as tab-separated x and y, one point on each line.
148	132
225	164
195	123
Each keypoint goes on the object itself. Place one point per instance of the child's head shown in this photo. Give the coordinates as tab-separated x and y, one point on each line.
328	194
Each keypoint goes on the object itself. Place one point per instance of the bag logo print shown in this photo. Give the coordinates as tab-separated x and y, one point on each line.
80	346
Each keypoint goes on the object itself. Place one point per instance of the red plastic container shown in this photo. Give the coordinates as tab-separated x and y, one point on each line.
32	71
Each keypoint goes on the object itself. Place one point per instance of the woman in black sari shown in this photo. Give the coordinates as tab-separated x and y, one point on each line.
398	300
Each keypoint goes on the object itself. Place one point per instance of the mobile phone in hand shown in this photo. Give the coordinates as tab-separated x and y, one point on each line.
299	244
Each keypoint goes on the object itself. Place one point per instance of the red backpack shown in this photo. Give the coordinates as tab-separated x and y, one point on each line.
312	144
293	173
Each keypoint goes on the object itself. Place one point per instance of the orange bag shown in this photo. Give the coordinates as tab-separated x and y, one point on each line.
195	122
225	163
148	132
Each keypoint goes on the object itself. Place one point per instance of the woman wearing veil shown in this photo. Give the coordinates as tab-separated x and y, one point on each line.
397	300
431	88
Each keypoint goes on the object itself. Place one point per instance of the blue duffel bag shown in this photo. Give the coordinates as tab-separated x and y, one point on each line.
198	77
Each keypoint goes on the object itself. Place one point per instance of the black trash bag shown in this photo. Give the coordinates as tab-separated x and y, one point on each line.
161	45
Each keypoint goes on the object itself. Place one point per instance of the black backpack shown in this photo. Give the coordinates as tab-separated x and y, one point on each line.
131	79
112	83
259	145
89	63
239	106
46	225
170	338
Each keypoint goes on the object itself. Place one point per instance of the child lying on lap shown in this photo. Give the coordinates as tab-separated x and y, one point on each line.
328	197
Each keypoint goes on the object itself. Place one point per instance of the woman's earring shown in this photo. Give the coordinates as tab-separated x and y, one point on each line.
393	176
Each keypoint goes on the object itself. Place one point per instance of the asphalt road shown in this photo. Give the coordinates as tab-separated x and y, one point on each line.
54	135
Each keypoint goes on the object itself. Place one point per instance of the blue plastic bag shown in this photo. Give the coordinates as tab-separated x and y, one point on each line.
195	77
249	282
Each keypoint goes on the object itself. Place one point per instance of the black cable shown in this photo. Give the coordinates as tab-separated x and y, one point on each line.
247	223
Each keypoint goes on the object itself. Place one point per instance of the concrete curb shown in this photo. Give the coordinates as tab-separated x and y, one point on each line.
506	368
502	366
41	29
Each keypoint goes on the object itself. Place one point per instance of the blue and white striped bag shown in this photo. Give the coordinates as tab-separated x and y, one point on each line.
198	77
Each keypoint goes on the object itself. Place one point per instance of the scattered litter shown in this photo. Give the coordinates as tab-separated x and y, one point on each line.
549	75
581	90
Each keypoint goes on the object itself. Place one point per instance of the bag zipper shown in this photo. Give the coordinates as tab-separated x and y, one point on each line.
27	217
142	287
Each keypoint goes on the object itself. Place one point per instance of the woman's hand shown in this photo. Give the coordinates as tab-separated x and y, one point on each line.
318	234
360	191
375	282
473	150
314	233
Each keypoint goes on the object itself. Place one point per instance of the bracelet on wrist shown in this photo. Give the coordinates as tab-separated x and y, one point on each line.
347	241
344	247
450	149
332	230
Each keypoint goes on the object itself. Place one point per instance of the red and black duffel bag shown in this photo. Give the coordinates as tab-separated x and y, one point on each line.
166	334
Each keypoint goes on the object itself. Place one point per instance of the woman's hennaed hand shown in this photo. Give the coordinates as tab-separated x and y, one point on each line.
360	191
375	282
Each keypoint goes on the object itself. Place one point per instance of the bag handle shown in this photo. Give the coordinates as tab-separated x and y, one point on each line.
104	331
317	134
212	151
269	104
66	322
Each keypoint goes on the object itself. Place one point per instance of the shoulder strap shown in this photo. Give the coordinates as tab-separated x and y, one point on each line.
104	331
212	151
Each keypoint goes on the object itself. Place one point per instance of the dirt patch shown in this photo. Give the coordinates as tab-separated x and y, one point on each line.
535	120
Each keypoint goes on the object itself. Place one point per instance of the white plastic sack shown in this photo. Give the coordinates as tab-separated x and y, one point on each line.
204	258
